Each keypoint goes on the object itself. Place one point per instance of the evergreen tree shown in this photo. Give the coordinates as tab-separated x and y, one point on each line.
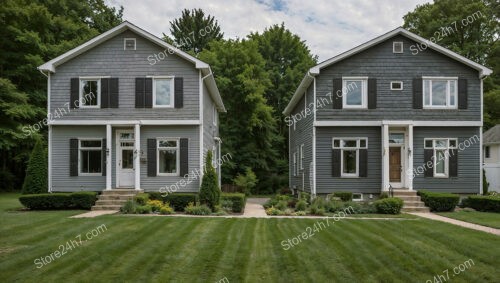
209	191
35	181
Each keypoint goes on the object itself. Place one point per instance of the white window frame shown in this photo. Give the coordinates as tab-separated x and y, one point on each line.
80	148
214	115
125	43
177	158
295	164
394	44
360	197
448	94
364	92
301	162
446	149
172	91
80	92
396	82
356	148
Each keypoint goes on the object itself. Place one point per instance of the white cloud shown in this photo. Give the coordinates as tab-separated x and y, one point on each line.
328	26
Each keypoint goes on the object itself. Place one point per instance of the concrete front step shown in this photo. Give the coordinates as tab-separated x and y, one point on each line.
121	192
110	202
409	198
413	204
397	193
116	197
415	209
106	207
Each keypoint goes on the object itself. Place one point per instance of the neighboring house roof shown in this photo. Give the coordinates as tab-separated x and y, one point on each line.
492	136
308	78
51	65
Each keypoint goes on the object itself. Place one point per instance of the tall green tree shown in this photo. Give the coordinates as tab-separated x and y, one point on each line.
287	59
209	189
36	173
193	31
248	128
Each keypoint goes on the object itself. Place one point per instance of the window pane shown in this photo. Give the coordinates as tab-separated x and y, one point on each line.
396	138
452	93
427	93
336	143
162	91
362	143
428	143
90	161
349	143
440	161
89	93
127	136
91	144
127	159
439	93
349	162
168	143
354	92
453	143
168	161
440	143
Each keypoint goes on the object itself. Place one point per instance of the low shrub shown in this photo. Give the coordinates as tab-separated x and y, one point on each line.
301	205
129	207
273	211
226	205
197	209
238	201
179	201
78	200
334	205
156	205
300	213
439	201
305	196
141	198
166	209
366	208
388	205
270	203
484	203
316	210
383	195
344	196
143	209
282	205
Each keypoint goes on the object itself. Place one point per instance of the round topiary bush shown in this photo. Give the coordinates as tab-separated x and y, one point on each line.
389	205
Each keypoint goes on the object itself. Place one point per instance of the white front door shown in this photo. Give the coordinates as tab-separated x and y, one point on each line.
125	159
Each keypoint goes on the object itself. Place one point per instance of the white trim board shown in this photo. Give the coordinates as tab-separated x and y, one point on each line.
126	122
376	123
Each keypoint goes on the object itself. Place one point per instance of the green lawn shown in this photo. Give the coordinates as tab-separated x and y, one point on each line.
489	219
179	249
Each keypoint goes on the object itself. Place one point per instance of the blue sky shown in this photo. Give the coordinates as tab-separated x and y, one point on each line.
329	27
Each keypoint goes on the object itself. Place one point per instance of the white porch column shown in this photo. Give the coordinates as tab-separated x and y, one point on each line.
385	158
109	151
137	156
409	170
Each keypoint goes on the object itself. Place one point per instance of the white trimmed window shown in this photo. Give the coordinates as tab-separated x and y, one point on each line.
90	157
168	157
357	197
295	164
396	85
440	92
90	93
397	47
354	92
302	157
163	92
349	154
441	155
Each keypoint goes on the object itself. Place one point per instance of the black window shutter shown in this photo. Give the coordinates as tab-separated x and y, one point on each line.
336	163
73	157
74	93
462	93
139	92
417	93
151	157
453	163
184	156
429	170
372	93
148	93
337	94
179	92
103	157
104	93
113	93
363	162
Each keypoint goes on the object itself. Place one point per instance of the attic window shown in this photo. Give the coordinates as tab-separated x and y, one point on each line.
129	44
397	47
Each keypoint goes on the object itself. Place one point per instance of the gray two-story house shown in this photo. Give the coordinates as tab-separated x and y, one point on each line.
127	110
395	112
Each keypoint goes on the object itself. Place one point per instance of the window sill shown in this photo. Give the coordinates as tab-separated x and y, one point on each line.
89	174
168	175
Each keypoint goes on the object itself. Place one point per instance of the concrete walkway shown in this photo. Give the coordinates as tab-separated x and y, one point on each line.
254	208
477	227
94	213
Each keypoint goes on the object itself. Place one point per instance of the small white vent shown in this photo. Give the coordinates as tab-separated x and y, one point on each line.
397	47
397	85
129	44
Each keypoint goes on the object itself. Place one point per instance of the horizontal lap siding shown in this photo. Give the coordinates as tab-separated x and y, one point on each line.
303	134
209	129
468	160
153	132
61	181
379	62
325	183
109	59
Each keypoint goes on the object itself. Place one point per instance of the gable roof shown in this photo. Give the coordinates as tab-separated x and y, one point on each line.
492	135
314	71
51	65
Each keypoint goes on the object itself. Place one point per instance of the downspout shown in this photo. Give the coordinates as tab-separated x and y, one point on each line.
201	121
219	169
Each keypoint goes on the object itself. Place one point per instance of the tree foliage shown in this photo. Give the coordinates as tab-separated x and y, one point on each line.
246	181
36	173
193	31
209	190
